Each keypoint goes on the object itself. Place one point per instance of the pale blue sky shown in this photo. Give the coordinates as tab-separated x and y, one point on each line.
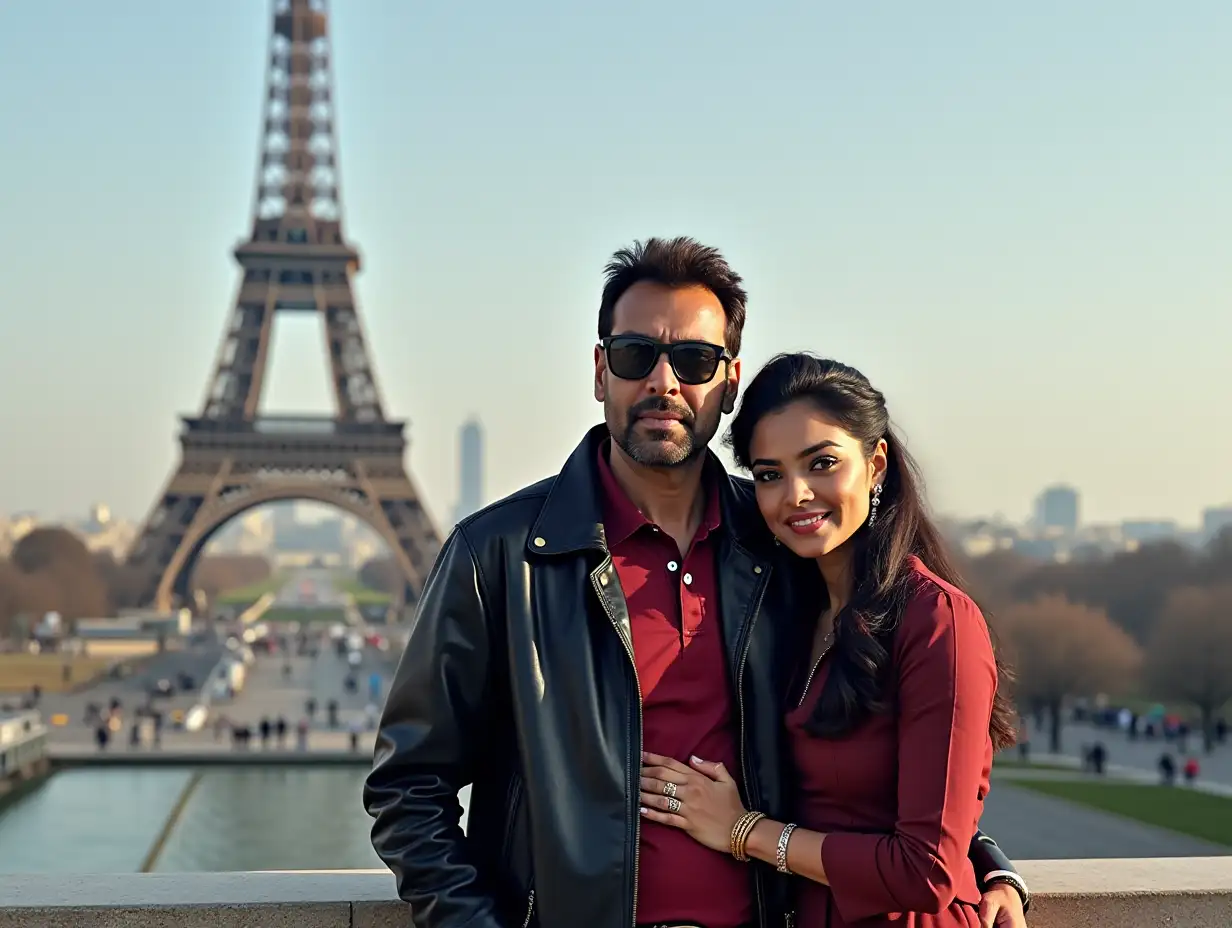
1017	219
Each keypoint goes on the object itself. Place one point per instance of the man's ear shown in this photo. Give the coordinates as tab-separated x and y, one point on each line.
600	366
731	388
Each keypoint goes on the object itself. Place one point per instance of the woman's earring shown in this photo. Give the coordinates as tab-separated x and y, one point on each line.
873	504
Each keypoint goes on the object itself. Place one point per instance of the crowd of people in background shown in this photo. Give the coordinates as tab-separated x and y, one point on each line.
1155	723
111	721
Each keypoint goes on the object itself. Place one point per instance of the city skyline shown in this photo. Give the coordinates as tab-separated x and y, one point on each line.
983	243
467	503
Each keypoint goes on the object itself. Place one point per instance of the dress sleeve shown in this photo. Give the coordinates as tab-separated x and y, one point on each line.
947	678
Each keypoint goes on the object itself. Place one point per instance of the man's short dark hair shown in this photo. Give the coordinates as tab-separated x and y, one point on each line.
677	262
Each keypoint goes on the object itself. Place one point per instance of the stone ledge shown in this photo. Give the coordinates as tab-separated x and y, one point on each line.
1176	892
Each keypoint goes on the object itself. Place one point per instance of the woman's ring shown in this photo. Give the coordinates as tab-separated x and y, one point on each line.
669	789
673	804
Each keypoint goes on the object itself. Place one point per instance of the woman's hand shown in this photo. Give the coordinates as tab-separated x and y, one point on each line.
709	802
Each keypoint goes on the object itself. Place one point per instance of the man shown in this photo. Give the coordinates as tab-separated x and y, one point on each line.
634	602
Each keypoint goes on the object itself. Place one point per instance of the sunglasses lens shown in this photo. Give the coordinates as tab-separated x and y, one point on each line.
630	358
695	364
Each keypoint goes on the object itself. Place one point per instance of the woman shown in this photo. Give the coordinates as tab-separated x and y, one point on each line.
893	719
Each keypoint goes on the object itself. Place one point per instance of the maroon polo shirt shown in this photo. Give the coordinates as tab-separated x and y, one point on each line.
687	702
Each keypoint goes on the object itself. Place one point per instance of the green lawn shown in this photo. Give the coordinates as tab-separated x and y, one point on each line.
364	596
1200	815
250	594
305	615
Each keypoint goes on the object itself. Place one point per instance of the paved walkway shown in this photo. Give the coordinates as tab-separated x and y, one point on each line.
189	749
266	693
1113	771
197	661
1031	826
1140	754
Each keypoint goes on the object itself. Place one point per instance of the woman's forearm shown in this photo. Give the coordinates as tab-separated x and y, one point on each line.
803	849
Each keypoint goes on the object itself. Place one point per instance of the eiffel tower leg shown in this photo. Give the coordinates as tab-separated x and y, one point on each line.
158	546
417	541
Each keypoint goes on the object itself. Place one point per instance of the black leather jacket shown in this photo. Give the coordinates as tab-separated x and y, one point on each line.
518	679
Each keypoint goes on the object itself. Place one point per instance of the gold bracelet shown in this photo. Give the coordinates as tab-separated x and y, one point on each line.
740	834
737	833
734	841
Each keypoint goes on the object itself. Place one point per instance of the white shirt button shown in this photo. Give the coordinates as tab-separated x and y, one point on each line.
672	565
688	578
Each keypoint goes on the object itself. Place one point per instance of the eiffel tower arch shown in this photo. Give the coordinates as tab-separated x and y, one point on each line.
296	260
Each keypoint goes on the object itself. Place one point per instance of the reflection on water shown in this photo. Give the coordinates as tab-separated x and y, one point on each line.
81	821
104	820
273	818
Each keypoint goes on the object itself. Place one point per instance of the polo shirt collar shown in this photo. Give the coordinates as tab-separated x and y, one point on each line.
622	518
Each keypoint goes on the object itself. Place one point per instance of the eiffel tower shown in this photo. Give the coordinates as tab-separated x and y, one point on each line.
296	261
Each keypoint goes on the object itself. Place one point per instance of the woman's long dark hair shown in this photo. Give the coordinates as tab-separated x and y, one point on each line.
856	685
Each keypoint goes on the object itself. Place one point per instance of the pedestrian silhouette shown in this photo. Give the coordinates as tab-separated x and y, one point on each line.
1191	771
1167	769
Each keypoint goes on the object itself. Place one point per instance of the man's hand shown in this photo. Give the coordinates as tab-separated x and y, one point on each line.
1001	907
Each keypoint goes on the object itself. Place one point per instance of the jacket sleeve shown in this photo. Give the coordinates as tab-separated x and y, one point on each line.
986	857
947	679
427	746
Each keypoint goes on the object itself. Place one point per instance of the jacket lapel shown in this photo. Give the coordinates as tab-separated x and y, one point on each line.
571	519
744	563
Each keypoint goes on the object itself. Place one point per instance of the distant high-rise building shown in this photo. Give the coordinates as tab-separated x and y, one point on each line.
470	470
286	523
1215	520
1057	509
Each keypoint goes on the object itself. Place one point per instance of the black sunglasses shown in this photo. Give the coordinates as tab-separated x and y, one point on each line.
633	357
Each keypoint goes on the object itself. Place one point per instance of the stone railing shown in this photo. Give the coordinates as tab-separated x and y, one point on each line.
1174	892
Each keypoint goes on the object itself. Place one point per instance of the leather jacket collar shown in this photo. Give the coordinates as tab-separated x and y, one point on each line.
572	516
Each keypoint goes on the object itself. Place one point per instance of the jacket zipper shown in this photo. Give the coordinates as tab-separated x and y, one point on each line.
530	909
744	767
812	673
515	798
637	817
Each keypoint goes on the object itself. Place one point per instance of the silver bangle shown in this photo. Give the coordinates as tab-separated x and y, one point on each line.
780	855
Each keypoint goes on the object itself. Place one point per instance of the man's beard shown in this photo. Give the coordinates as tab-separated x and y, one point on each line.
677	443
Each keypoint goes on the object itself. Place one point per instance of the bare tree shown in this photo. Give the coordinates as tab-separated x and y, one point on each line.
1130	587
11	597
1190	657
125	584
994	577
220	573
59	573
1063	649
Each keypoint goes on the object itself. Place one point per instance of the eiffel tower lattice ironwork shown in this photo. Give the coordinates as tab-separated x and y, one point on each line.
296	261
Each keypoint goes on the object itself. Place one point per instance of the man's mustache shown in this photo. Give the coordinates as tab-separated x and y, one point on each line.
662	405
